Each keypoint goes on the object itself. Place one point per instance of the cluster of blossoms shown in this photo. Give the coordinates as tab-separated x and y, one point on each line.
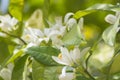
36	37
53	35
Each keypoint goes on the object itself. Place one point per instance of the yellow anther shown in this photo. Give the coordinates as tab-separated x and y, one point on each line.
27	36
60	56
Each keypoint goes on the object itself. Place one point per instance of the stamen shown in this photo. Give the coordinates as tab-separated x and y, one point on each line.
60	56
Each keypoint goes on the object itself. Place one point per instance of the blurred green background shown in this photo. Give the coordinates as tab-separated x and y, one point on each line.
94	23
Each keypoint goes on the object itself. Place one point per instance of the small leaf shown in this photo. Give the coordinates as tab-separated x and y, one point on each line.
43	54
82	78
82	13
110	33
115	67
12	58
46	10
18	70
16	8
4	52
74	36
96	7
38	70
43	72
102	7
101	56
1	78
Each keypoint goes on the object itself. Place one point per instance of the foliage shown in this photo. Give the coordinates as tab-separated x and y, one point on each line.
38	48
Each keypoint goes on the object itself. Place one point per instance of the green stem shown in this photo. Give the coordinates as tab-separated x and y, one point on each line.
86	69
14	37
89	75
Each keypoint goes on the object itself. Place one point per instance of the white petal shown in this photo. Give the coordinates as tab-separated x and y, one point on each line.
66	76
84	51
76	54
59	60
64	70
110	19
67	16
66	56
70	23
80	23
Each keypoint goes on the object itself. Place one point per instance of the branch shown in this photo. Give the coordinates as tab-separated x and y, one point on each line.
14	37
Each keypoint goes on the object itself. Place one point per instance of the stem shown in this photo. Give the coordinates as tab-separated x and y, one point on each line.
86	70
89	74
86	62
14	37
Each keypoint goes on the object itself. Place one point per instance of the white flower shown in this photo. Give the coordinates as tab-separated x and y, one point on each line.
35	20
68	21
110	18
6	73
71	58
66	76
55	32
34	36
68	58
67	17
56	29
7	23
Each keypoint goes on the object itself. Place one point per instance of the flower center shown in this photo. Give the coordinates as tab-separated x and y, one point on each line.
27	36
60	56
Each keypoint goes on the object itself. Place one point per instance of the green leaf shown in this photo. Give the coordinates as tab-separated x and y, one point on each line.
101	56
110	33
82	13
74	36
7	40
18	70
96	7
12	58
46	10
38	70
1	78
105	7
18	32
4	52
16	8
101	7
82	78
43	72
115	67
43	54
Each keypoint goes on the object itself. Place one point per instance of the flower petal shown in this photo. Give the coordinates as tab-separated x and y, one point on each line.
110	19
59	60
67	16
66	56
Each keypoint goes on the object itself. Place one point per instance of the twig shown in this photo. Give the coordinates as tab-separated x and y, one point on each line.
86	69
14	37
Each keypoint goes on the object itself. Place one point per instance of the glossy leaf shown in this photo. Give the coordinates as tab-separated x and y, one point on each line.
1	78
43	72
82	13
18	70
12	58
96	7
82	78
115	67
107	7
16	8
101	56
43	54
4	52
38	70
73	37
46	10
110	33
